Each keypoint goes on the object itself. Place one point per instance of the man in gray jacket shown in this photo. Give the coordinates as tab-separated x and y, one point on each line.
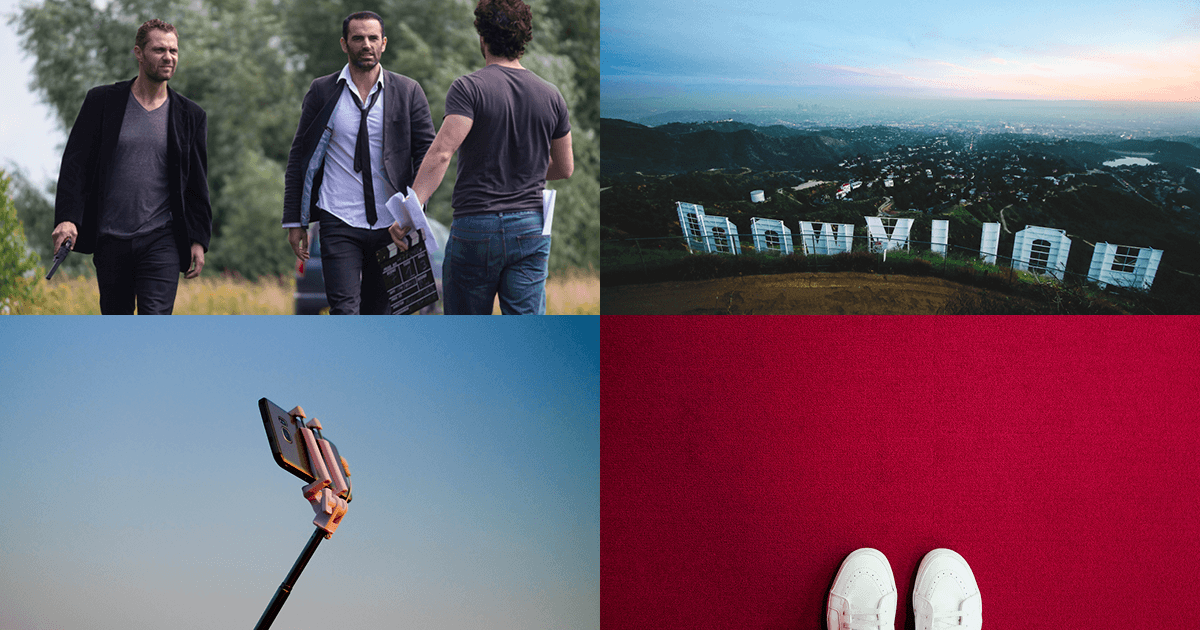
362	135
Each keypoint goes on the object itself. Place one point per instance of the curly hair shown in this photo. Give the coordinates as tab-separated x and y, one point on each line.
143	32
505	25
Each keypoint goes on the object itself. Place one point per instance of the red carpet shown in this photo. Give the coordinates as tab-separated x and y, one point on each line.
743	458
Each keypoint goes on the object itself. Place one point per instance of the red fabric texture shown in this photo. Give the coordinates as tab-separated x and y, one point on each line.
742	459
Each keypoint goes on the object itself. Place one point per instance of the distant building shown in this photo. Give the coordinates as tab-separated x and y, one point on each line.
757	196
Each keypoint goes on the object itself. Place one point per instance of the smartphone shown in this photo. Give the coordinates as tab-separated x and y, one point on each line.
287	444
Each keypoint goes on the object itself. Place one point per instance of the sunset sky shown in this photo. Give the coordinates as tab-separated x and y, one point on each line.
140	491
1020	49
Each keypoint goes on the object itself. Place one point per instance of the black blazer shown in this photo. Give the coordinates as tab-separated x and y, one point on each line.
407	134
83	176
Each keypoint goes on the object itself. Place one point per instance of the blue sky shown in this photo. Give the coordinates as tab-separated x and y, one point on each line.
141	493
1095	50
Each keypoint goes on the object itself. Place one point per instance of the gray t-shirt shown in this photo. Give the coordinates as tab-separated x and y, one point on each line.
137	200
502	162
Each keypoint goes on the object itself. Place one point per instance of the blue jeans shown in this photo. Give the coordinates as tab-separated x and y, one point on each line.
501	253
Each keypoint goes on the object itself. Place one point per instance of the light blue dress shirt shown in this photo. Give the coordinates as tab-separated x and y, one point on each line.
342	189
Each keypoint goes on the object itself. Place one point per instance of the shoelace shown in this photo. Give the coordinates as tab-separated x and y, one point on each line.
865	620
950	619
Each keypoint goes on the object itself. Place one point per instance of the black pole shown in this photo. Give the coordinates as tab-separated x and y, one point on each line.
285	589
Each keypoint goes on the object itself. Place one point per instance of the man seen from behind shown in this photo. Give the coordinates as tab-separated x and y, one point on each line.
512	132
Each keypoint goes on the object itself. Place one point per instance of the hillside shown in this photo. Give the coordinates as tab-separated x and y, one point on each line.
682	147
1162	151
1013	179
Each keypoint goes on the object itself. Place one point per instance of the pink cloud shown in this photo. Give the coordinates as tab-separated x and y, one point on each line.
1169	73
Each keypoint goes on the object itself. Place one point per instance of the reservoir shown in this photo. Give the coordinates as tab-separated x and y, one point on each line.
1130	161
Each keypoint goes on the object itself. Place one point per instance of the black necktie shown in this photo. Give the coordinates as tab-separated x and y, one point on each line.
362	154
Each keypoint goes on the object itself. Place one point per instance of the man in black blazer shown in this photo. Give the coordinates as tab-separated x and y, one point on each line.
133	186
362	135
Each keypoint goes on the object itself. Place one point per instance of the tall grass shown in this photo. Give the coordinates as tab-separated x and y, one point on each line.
574	292
229	295
570	293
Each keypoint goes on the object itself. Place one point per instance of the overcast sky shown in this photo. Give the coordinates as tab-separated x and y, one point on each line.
140	493
29	137
1093	50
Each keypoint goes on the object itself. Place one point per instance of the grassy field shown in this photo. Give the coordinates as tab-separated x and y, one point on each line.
570	293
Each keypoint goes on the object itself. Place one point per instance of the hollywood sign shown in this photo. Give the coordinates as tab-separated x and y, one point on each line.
1036	249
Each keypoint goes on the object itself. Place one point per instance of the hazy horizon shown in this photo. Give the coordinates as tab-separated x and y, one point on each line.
817	109
655	56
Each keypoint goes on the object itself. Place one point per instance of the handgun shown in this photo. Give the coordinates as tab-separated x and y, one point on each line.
60	256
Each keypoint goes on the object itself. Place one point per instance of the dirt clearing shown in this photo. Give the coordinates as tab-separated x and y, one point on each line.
841	293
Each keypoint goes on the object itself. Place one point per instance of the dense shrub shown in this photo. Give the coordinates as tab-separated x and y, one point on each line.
17	261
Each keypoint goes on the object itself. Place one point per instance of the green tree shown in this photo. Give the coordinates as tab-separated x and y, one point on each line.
36	210
575	210
77	46
238	69
572	28
16	259
232	62
247	248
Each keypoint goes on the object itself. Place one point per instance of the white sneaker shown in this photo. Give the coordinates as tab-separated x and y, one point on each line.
864	593
945	594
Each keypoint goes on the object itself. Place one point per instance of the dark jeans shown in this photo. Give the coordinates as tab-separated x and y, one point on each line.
490	254
142	271
353	277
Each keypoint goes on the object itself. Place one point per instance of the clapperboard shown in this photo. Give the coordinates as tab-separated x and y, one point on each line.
408	276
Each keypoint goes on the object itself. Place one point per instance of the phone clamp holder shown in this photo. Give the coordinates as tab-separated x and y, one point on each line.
332	479
323	494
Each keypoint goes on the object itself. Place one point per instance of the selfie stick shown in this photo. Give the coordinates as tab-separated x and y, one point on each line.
285	589
330	507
